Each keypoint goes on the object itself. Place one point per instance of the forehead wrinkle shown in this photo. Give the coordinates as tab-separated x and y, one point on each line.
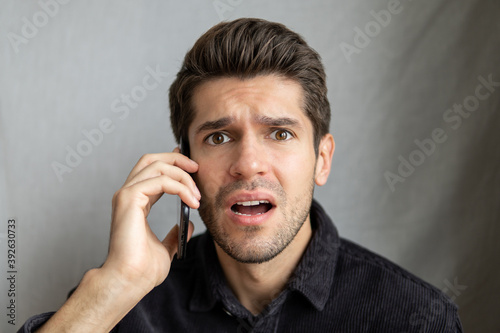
235	100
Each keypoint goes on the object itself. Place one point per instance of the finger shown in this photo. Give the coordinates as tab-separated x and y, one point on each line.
176	159
190	230
171	241
159	168
144	190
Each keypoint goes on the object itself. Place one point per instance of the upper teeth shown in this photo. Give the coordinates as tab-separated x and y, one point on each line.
252	203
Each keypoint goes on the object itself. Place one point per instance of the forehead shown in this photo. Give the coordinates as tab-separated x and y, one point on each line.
238	99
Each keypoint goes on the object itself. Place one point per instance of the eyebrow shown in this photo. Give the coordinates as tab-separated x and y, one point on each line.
215	124
277	122
263	120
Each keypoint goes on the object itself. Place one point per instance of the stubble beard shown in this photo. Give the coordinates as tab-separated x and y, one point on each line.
255	248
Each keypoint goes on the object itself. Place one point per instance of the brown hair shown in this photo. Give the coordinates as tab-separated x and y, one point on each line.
245	48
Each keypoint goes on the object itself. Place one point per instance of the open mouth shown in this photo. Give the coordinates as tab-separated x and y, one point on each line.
251	208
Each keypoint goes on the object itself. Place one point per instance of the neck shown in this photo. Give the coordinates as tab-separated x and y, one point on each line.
256	285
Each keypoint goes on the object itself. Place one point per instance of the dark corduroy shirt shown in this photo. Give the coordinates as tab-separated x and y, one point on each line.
337	287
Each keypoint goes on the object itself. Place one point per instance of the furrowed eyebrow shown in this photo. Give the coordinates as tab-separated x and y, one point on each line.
214	125
277	122
263	120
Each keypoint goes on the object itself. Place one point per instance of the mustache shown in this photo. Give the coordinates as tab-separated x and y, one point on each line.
260	183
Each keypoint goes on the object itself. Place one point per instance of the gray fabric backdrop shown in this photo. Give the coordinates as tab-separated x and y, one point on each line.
415	92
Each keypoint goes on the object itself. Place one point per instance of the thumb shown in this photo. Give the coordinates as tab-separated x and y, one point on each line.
171	241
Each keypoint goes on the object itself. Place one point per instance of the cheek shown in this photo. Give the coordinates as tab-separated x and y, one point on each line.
209	177
295	172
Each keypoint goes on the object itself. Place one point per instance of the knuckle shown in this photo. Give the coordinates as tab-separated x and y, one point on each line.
146	159
158	164
120	196
114	198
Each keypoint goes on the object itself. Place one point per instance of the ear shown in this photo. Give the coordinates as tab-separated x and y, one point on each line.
324	159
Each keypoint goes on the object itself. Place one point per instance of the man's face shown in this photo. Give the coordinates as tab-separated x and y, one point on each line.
254	147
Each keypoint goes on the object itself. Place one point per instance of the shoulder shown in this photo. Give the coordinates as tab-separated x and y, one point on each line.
371	269
385	290
354	254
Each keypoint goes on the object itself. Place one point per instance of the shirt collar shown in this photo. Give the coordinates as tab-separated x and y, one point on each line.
313	277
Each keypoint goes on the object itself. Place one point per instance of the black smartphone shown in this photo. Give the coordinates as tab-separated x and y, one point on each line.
184	215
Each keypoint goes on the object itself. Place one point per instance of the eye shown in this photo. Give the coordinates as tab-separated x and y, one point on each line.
281	135
217	139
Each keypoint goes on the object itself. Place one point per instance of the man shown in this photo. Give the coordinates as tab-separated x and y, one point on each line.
251	102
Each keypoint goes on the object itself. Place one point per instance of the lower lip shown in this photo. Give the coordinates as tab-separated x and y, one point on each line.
250	220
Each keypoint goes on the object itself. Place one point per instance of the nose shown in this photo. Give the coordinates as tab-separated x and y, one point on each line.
250	158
